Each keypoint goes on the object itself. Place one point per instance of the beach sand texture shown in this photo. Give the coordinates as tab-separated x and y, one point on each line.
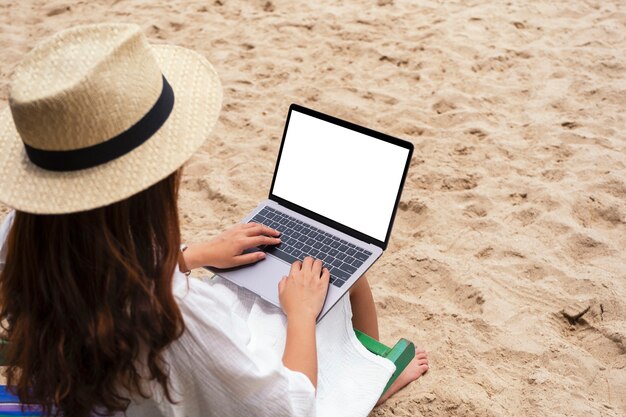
515	204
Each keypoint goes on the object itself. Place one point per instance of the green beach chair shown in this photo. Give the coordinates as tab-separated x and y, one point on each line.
400	354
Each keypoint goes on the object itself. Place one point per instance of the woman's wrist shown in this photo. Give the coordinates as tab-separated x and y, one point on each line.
195	257
182	264
301	317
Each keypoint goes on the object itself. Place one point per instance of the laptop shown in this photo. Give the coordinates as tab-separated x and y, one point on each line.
334	196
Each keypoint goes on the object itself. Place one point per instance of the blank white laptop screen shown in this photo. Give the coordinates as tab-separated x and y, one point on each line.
346	176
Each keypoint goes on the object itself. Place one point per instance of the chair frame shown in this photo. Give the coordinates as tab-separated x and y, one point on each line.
401	354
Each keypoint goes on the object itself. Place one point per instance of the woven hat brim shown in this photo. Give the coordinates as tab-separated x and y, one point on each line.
198	98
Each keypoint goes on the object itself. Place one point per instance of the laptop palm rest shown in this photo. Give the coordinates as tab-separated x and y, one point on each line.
261	278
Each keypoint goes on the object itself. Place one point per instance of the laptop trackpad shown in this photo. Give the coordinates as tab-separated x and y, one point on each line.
261	277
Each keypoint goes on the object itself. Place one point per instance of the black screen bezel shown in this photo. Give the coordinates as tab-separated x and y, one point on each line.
325	220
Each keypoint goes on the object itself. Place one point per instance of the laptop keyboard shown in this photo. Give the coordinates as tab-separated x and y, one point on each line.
299	239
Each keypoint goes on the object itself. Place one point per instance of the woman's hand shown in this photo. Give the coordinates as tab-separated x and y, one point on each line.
226	249
303	292
302	296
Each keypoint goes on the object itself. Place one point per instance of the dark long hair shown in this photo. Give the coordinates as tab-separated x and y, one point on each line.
86	302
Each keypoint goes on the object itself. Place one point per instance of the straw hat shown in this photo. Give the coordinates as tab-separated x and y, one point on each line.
97	114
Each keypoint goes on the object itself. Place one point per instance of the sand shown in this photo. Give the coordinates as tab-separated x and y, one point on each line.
515	205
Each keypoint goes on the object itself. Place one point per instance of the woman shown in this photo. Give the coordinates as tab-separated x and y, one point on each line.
98	313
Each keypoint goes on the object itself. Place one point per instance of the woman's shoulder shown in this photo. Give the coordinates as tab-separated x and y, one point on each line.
6	225
4	232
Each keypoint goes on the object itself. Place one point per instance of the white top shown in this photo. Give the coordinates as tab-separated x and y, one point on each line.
228	362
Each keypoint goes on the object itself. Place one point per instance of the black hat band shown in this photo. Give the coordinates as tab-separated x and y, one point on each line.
91	156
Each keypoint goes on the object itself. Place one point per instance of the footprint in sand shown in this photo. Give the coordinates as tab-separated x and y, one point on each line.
413	205
479	133
475	210
463	150
413	130
607	347
177	26
518	198
582	247
615	188
484	253
445	183
465	296
527	216
460	183
591	211
534	272
58	10
443	106
553	175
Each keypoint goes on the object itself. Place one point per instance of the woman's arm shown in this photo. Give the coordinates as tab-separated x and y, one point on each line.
226	250
300	348
302	296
